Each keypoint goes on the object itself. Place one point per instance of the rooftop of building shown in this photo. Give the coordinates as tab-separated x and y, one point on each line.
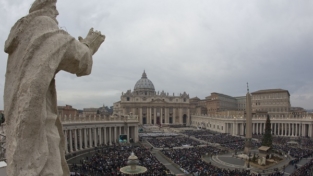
265	91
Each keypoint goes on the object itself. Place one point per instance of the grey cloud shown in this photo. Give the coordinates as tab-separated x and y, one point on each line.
198	47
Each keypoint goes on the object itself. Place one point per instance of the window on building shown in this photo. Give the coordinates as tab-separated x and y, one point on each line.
127	98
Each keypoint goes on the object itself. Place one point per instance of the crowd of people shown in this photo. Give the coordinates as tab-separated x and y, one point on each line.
213	137
306	169
108	161
170	142
190	160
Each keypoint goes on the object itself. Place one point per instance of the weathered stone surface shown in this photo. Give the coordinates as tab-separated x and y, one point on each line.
37	50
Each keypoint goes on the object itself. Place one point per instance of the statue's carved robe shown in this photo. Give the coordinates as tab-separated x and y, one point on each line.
37	51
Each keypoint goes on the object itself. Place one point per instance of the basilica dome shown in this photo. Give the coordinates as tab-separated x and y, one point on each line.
144	84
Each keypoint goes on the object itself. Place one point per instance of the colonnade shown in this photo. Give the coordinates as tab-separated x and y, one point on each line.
279	127
89	136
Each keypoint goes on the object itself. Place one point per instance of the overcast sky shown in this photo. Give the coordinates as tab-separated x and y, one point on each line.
197	46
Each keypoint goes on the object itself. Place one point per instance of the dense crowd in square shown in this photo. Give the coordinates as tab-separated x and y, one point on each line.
191	161
172	142
107	161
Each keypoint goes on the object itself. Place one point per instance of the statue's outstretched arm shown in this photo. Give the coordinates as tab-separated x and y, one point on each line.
93	40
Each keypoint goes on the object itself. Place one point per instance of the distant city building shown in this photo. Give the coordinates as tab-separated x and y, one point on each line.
90	111
67	110
217	102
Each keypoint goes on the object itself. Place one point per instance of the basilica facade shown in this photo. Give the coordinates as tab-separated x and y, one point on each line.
154	107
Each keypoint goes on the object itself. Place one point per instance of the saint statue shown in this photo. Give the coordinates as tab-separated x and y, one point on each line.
37	50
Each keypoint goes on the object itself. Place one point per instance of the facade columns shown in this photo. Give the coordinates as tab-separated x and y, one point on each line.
166	115
180	116
310	130
188	115
140	117
289	132
161	118
150	117
136	134
154	115
174	115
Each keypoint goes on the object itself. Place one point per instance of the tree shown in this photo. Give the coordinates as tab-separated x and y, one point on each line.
267	138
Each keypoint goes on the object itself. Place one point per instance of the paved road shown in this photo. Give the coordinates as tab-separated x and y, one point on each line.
291	168
166	163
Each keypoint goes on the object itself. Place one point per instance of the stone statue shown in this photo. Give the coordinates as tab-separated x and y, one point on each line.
37	50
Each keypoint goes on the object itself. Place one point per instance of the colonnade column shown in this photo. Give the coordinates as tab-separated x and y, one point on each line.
297	130
85	138
289	132
66	142
95	136
274	132
110	135
105	135
75	139
115	134
127	132
71	141
100	136
90	138
80	139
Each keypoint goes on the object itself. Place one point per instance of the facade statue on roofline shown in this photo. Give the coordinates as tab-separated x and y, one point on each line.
37	51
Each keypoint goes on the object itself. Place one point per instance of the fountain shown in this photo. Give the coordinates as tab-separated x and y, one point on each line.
132	168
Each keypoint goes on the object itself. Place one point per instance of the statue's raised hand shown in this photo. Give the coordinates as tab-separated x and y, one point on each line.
93	40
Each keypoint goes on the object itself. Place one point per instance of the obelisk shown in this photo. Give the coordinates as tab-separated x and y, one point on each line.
248	115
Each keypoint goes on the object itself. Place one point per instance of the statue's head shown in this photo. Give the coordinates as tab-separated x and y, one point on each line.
48	5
